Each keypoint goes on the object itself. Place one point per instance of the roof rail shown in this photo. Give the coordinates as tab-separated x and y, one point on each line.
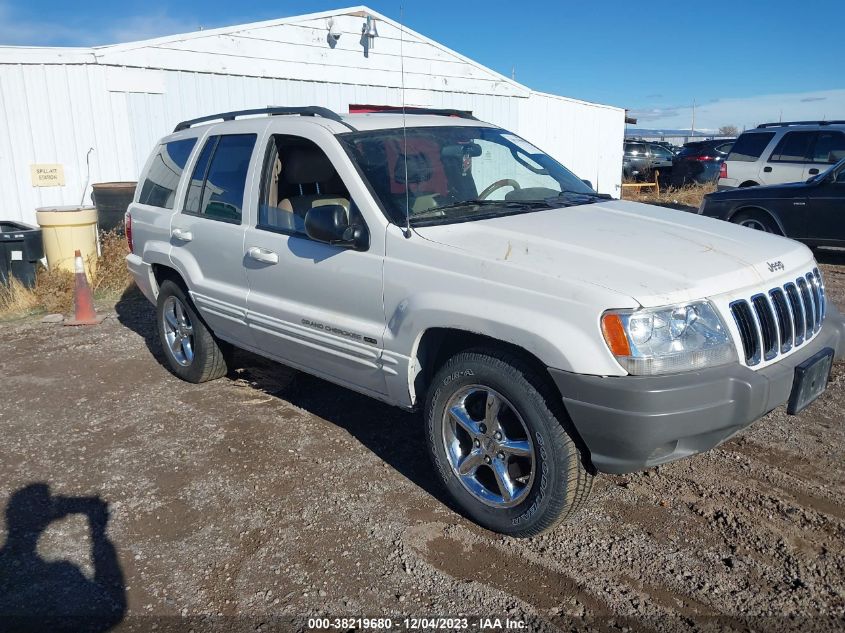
270	110
462	114
787	123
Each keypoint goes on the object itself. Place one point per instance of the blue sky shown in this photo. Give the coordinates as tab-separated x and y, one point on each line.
742	62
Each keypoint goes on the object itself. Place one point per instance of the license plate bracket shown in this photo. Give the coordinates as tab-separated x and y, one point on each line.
810	380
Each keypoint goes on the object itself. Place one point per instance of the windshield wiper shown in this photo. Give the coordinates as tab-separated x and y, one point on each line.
505	204
572	198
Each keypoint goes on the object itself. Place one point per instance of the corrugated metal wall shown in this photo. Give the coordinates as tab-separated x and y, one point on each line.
119	100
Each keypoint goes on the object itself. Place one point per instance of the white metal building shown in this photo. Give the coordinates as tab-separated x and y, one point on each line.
58	103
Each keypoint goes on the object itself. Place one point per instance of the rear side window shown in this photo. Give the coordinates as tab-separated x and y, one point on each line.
635	149
660	152
162	179
750	146
830	147
794	147
219	179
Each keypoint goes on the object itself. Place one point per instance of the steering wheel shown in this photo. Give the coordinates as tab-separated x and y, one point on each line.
505	182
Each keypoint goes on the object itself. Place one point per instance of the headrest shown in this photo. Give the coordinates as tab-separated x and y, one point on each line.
306	165
418	167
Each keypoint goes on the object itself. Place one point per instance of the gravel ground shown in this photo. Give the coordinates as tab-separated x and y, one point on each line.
267	497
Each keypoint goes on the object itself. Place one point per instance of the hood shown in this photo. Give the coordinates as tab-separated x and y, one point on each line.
656	256
763	192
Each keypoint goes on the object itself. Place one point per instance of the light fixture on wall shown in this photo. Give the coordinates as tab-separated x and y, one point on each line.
334	33
369	33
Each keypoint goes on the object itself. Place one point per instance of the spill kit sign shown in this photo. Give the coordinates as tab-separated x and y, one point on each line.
47	175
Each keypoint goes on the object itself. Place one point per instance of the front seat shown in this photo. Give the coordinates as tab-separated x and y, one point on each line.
416	169
310	171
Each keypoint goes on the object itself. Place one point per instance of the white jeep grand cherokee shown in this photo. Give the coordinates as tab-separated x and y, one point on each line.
548	332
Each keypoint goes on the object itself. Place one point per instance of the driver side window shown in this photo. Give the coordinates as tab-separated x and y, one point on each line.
496	164
297	177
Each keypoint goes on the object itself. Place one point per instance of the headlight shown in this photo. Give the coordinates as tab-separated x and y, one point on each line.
667	340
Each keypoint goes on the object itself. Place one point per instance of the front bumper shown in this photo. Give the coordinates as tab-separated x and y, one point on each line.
629	423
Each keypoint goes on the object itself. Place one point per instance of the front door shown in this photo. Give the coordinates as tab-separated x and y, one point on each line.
826	211
312	305
208	235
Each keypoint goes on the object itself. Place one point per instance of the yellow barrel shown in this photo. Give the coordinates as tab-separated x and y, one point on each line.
68	229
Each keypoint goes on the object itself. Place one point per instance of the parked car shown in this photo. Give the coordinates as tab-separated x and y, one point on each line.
699	161
811	212
640	159
774	153
545	331
673	149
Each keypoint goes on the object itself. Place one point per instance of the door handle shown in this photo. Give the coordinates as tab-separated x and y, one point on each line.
813	171
262	255
182	235
767	169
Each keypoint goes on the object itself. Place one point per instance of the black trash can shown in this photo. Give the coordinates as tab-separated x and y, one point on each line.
20	249
111	200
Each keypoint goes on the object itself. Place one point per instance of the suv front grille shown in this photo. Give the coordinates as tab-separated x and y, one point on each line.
772	324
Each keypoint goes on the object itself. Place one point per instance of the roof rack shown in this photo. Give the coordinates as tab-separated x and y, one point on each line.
270	110
787	123
461	114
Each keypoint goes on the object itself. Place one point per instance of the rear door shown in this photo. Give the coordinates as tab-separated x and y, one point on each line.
207	236
661	158
789	160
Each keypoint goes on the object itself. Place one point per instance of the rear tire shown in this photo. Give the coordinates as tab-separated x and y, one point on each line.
755	220
192	352
497	435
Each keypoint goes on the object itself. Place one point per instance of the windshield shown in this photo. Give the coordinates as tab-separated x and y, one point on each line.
459	173
835	172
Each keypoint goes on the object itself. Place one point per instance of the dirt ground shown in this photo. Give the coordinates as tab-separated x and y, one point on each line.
267	497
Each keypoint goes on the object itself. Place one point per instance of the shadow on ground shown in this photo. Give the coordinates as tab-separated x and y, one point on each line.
395	436
829	256
41	595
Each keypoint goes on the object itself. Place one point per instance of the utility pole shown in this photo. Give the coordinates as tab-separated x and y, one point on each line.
513	73
692	127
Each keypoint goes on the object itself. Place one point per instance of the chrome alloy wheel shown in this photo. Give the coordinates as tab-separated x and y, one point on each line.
751	223
488	446
178	331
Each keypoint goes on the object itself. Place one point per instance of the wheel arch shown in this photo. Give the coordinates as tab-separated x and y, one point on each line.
759	210
436	345
164	272
749	183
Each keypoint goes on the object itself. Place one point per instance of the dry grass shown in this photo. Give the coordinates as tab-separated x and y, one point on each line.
15	298
689	196
113	277
53	290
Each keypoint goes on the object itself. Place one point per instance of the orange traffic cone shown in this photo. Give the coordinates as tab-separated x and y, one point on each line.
83	298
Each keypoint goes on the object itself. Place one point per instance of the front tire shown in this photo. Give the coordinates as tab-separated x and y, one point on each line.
498	438
192	352
756	221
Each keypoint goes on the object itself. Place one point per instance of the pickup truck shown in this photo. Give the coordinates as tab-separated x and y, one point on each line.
440	263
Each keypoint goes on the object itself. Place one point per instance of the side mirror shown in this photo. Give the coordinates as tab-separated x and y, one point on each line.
588	183
329	224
